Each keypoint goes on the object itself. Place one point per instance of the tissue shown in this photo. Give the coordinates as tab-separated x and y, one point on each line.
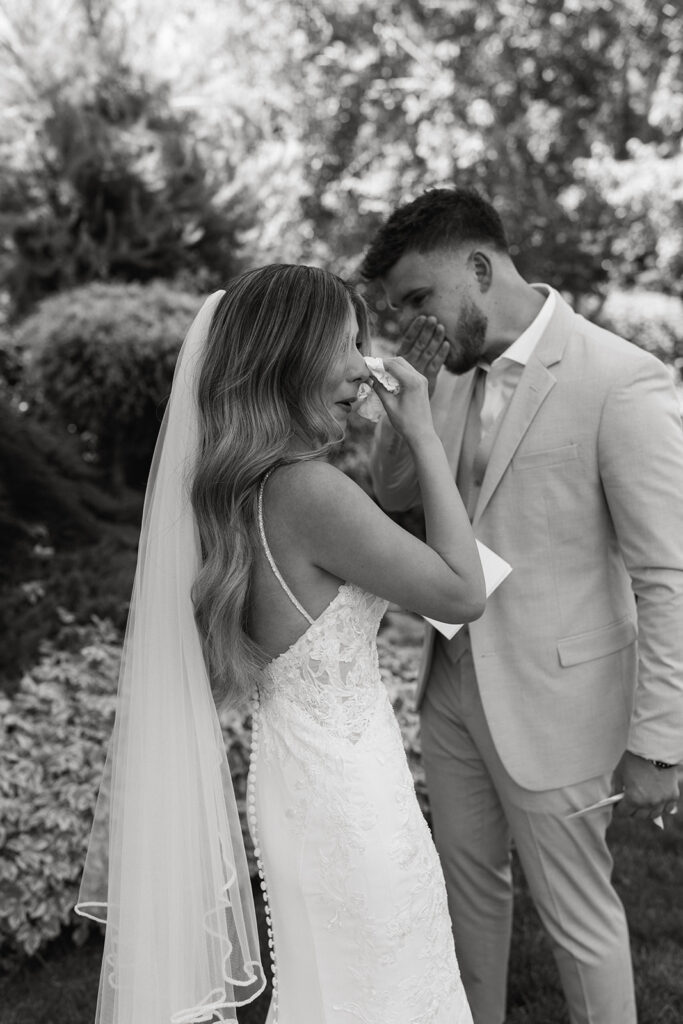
369	405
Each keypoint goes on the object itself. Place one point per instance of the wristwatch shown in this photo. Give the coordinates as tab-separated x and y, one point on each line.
659	765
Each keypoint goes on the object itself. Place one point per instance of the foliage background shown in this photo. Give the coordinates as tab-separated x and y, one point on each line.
150	149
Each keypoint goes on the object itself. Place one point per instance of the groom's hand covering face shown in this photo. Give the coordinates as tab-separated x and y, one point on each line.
425	347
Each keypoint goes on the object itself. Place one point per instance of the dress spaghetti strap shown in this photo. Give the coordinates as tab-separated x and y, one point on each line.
269	555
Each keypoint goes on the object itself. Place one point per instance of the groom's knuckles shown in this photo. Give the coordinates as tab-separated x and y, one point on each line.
647	800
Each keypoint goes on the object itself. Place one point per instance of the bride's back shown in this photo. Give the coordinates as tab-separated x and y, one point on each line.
275	622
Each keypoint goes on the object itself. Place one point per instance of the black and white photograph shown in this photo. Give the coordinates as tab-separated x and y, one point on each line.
341	512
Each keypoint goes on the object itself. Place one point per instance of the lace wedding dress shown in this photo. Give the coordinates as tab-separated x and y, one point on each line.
357	916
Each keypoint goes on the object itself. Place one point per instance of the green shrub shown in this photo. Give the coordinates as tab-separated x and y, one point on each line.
111	182
53	735
103	356
651	320
49	588
53	740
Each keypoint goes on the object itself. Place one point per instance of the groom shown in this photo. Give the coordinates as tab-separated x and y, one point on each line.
567	447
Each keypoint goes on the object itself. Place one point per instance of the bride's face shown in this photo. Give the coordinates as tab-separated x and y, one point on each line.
346	373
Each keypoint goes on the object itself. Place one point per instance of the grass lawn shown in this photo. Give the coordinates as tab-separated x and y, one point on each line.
60	986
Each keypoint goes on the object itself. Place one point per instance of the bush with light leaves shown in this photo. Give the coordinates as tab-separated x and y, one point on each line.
53	734
53	739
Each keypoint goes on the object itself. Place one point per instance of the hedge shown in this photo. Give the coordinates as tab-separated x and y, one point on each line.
103	356
52	752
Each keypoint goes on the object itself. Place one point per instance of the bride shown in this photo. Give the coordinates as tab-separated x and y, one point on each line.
263	574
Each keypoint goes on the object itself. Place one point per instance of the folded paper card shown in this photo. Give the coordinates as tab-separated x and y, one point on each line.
607	802
496	569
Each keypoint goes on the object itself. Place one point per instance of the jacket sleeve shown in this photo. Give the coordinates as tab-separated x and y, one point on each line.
640	451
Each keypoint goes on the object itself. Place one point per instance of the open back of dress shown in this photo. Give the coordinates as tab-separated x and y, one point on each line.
360	920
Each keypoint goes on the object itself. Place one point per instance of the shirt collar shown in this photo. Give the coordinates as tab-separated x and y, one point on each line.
520	351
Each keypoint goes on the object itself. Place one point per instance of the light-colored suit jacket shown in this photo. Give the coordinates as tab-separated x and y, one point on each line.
583	496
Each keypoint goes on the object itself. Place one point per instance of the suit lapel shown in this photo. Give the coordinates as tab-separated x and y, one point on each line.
534	386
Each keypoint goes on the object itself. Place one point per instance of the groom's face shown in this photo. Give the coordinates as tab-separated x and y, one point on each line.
441	284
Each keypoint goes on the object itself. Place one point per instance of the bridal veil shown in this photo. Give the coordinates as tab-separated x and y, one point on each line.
166	868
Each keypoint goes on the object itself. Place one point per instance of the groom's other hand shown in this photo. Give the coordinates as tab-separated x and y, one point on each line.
649	792
425	347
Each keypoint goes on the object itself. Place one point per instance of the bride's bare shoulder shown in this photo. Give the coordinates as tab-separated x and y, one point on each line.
304	488
300	476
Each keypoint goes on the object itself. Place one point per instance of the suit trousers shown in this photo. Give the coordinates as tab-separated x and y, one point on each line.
477	809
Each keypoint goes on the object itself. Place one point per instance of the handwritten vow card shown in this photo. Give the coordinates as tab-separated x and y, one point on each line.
496	569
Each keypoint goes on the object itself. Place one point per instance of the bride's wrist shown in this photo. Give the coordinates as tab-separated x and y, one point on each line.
423	442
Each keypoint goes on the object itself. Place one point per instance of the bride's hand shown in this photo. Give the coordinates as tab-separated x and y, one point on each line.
409	411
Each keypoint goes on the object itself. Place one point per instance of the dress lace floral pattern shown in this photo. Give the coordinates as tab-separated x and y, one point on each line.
335	653
355	885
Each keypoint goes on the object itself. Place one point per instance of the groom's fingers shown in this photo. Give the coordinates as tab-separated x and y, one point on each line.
643	809
423	347
439	352
434	359
421	341
628	809
433	343
413	332
647	790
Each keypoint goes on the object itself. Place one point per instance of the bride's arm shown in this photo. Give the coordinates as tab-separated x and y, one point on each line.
345	533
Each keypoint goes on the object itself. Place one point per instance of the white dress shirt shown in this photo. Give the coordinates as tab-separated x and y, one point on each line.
503	375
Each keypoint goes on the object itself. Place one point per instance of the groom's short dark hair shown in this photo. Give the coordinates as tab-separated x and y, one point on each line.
440	218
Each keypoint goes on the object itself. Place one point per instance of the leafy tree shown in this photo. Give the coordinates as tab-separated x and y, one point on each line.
110	184
512	97
330	113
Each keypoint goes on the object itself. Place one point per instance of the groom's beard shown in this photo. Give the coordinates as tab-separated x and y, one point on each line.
469	338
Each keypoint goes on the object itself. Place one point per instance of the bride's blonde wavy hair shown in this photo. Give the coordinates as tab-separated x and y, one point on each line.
273	338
